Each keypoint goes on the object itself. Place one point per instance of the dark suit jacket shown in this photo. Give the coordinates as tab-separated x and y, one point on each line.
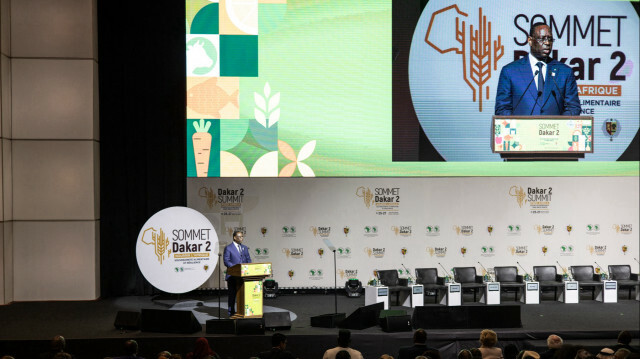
560	96
413	351
231	256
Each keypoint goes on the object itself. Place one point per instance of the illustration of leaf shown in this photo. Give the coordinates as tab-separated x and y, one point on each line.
266	166
305	170
286	151
274	117
267	89
260	117
287	171
274	101
306	150
260	102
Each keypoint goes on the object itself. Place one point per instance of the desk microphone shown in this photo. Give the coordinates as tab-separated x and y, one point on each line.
525	271
410	276
636	260
485	269
453	280
525	91
535	103
602	270
563	270
553	77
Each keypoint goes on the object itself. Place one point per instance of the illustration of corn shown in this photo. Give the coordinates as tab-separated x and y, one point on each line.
202	146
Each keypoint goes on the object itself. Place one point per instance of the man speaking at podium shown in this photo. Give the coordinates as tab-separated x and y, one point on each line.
235	253
536	85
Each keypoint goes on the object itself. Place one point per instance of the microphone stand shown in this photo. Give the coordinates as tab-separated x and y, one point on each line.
219	283
525	271
335	282
410	276
485	269
564	271
601	270
453	279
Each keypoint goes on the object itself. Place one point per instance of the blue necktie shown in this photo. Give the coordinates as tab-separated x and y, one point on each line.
540	77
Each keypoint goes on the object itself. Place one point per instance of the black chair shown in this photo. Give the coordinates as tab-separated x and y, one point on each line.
548	278
509	279
428	277
622	274
389	278
586	278
468	279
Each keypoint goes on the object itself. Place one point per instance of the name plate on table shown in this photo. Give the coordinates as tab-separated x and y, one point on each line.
493	287
610	285
532	286
383	292
572	286
542	134
251	269
417	289
454	288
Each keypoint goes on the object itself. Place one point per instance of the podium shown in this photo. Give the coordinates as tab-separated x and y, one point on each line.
415	298
491	294
453	296
608	293
571	292
249	295
375	294
531	293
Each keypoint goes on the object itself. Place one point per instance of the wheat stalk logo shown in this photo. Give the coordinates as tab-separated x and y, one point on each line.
519	194
159	241
482	53
366	195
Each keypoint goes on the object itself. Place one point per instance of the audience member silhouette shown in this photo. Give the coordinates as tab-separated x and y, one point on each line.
202	350
277	351
419	346
488	341
344	342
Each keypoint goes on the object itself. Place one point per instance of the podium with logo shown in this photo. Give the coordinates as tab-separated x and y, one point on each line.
249	295
542	138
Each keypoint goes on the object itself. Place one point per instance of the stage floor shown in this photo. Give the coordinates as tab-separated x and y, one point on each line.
590	322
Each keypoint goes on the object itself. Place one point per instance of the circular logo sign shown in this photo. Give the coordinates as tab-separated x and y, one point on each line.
177	249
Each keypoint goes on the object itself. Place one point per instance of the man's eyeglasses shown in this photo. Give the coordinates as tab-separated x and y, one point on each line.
542	40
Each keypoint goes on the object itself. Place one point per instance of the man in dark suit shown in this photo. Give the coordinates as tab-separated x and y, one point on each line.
535	84
235	253
418	348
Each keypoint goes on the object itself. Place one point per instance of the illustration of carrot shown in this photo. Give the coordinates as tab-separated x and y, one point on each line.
202	147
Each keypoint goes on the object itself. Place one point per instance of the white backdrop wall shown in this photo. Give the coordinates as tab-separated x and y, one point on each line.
421	222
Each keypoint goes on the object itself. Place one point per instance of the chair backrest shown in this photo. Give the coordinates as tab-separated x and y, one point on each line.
620	272
426	275
464	274
388	277
506	274
545	273
582	272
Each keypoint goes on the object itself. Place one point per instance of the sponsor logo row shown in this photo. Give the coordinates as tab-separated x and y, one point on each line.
434	230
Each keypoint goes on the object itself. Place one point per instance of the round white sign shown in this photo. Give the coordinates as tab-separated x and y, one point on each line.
177	249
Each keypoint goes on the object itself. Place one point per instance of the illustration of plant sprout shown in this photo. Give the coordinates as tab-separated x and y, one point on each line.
202	146
267	107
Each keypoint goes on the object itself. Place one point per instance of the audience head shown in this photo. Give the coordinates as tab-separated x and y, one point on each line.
583	353
605	353
476	353
58	343
279	340
622	353
554	342
488	338
343	354
530	354
465	354
567	351
433	354
510	351
624	337
163	355
131	347
421	357
62	355
201	349
344	338
7	357
420	336
386	356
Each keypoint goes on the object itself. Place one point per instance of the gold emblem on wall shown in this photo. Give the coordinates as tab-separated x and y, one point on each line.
159	241
366	195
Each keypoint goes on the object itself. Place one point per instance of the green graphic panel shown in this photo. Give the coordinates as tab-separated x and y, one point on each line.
239	55
206	21
232	132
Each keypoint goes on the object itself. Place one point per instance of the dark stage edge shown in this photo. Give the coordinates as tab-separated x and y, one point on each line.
88	326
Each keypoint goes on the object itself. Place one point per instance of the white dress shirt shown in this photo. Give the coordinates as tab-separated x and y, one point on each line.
533	61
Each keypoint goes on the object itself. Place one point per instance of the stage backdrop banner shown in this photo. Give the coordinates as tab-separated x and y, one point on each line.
177	249
393	223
